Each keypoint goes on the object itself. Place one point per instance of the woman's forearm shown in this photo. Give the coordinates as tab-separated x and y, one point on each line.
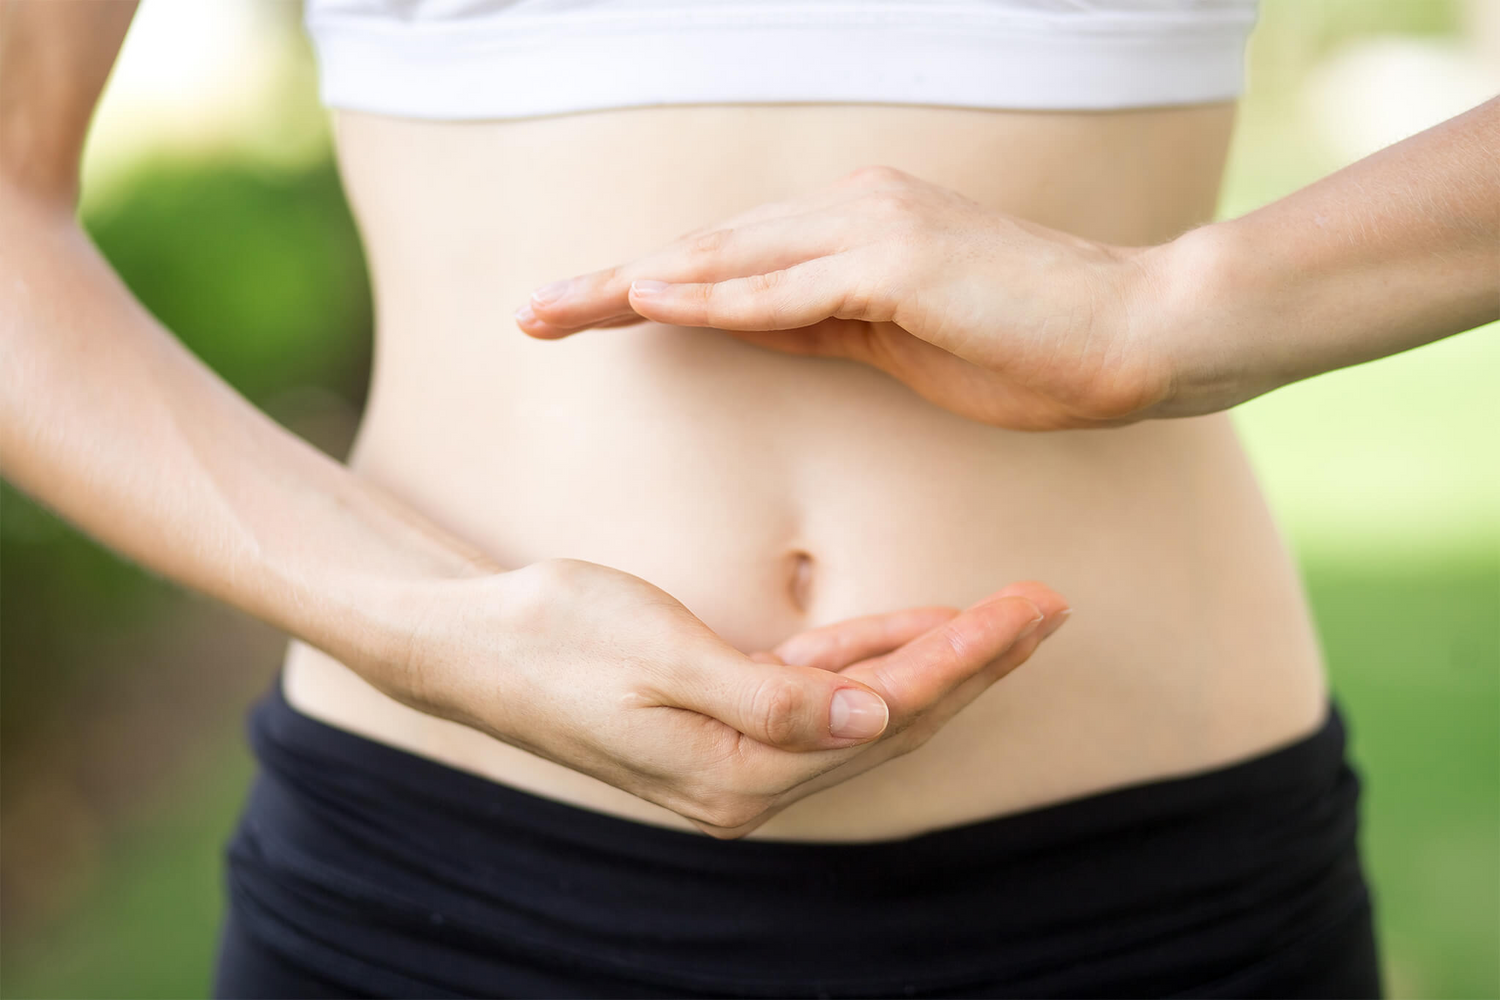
106	418
1397	250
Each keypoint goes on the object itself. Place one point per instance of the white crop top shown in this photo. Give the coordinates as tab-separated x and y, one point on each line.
465	59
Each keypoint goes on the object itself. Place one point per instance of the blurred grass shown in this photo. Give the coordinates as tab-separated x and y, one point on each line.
273	295
1398	457
1387	478
1415	657
147	926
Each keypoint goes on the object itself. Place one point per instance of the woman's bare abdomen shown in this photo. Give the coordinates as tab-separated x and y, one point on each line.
771	493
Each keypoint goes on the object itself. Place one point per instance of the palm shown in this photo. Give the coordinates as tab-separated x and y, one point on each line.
982	394
1021	395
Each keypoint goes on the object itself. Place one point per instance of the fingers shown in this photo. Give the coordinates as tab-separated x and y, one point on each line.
767	238
916	677
755	248
899	664
805	773
836	646
784	706
528	322
797	296
995	670
926	681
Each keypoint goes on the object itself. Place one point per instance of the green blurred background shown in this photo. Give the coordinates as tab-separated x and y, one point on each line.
210	187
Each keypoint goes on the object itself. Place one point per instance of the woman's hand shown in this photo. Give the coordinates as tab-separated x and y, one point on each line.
998	319
600	671
1010	323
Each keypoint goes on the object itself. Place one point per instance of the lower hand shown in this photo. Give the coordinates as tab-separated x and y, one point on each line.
600	671
1000	320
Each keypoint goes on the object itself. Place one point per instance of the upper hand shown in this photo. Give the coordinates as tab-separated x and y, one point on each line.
998	319
600	671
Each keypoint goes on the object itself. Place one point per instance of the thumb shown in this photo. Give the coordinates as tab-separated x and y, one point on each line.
784	706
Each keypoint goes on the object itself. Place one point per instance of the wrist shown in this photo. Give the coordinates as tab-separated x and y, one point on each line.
1199	306
464	649
426	641
367	586
380	606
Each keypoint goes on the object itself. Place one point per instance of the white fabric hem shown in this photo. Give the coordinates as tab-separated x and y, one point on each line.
502	68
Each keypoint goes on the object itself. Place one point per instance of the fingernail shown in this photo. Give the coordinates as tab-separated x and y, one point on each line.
856	715
1057	621
550	293
525	315
647	287
1036	619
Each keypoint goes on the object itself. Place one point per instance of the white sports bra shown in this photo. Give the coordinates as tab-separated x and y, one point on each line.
467	59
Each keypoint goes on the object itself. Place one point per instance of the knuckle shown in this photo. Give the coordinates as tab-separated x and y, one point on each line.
776	706
763	283
875	175
559	572
957	643
535	588
609	278
709	242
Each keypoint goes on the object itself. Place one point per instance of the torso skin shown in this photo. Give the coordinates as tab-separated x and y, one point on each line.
772	493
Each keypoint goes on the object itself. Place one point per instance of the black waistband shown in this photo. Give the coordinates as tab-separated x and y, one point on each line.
353	852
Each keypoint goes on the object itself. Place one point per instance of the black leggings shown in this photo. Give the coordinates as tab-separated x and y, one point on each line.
362	870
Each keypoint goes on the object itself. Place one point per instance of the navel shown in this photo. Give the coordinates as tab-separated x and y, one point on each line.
799	579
